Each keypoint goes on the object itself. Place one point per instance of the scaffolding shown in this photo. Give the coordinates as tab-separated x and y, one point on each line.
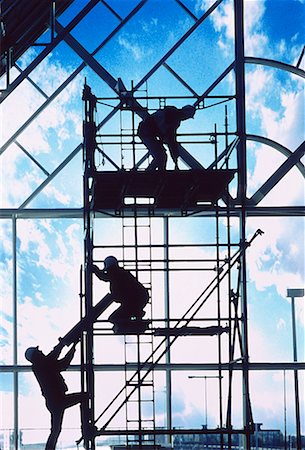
136	195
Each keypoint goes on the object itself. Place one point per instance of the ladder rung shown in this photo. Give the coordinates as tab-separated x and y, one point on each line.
137	421
135	383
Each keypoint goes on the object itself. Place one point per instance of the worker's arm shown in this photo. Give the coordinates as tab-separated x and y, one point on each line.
101	274
54	354
66	360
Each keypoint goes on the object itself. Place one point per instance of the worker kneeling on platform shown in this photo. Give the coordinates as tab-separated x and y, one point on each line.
160	128
126	290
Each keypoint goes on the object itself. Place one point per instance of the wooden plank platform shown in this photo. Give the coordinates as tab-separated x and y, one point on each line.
182	189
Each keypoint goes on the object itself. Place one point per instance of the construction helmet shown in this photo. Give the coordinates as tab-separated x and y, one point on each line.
110	261
189	111
29	353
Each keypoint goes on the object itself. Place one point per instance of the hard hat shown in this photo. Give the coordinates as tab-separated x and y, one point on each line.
30	352
110	261
189	110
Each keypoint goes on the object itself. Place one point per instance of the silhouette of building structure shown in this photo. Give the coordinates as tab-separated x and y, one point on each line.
118	186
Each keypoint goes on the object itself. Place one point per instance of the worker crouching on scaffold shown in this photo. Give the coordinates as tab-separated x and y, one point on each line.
126	290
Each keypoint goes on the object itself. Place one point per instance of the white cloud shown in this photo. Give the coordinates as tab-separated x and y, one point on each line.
223	21
281	324
19	182
223	18
44	242
258	83
288	126
62	197
256	42
135	49
277	257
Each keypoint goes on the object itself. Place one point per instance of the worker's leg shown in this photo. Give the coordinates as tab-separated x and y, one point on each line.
156	149
126	316
73	399
57	415
138	304
118	315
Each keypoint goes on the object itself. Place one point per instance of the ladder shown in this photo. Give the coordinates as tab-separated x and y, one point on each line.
138	347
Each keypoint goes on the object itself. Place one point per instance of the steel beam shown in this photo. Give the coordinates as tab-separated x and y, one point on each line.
290	162
276	65
277	146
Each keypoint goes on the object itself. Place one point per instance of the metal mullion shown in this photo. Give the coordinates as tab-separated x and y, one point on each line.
278	175
32	82
184	83
32	158
51	176
300	57
186	9
15	335
235	365
60	37
111	9
277	146
241	195
39	213
252	211
275	64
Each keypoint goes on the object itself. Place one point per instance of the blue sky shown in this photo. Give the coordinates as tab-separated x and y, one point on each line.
49	251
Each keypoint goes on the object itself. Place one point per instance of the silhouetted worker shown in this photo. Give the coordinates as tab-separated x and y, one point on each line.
160	128
126	290
47	370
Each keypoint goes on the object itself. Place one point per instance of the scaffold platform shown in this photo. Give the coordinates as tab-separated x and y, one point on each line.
174	189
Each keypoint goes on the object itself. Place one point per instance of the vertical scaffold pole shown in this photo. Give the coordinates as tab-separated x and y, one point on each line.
241	195
89	132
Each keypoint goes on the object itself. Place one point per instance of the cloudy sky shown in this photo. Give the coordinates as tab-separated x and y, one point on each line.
49	250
